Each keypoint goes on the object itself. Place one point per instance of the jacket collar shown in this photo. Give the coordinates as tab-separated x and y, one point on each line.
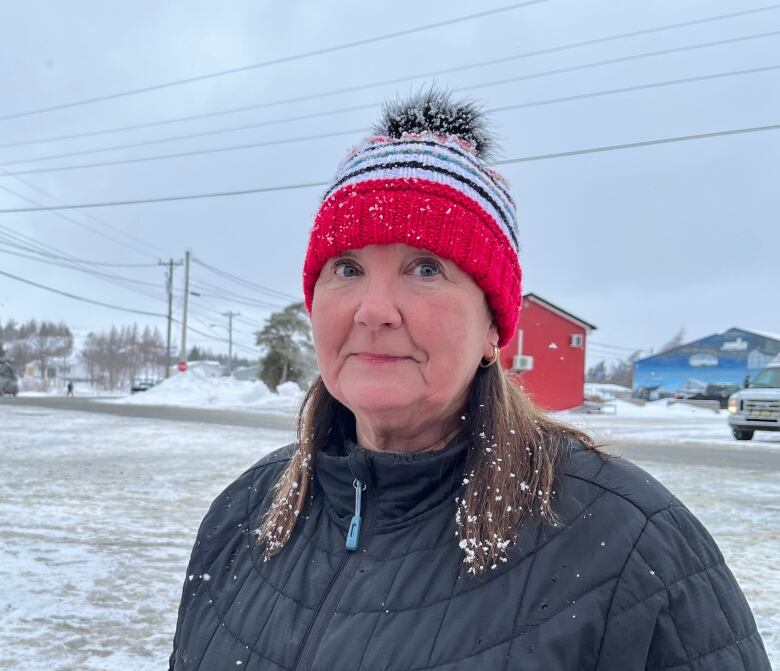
401	486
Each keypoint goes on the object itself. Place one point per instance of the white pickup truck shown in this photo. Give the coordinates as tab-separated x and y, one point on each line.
757	407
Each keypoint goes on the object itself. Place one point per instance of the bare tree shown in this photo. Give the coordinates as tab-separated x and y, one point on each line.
676	341
19	342
50	341
116	358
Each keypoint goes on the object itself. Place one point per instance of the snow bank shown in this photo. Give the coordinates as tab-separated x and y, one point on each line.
661	408
81	389
663	422
605	390
197	389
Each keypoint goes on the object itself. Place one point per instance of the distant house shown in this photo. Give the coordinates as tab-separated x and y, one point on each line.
548	352
247	374
726	357
57	369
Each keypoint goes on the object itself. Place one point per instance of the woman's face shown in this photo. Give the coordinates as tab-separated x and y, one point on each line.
399	334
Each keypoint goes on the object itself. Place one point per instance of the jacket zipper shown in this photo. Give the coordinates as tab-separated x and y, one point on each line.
344	573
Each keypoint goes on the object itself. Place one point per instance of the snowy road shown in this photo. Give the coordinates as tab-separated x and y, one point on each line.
99	513
273	420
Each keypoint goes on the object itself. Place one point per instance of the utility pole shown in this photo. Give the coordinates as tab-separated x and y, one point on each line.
183	354
230	316
169	287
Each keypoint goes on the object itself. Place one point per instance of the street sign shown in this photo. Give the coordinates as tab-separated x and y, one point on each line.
183	366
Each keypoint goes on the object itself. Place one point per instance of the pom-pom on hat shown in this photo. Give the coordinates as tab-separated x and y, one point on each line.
423	180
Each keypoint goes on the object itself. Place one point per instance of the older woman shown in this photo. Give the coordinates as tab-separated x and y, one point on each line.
429	516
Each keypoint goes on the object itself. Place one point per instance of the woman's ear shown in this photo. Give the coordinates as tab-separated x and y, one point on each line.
493	333
492	339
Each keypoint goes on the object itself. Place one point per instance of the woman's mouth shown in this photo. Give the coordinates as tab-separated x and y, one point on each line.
372	357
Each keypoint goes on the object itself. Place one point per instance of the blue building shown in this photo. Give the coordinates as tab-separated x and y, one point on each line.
726	357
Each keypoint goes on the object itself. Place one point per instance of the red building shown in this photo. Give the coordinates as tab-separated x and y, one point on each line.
549	352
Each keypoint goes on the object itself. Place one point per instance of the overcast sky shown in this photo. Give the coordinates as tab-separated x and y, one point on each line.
640	242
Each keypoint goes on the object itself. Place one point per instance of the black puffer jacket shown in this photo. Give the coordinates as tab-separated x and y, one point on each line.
629	580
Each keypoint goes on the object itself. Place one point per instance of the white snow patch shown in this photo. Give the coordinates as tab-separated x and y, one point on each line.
198	389
663	422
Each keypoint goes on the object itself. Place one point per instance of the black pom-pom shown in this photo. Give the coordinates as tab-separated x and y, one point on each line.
435	111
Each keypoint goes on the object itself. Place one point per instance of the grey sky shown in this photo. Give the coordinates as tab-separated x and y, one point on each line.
640	242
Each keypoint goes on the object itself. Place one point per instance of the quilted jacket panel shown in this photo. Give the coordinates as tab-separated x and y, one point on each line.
628	580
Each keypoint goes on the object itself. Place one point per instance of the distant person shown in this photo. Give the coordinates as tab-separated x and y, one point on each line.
70	388
746	381
429	516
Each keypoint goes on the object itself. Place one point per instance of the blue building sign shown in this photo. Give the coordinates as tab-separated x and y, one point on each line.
724	358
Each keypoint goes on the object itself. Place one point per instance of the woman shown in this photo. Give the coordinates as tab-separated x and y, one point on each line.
429	516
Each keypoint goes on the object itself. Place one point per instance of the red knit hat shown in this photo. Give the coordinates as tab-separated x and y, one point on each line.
422	180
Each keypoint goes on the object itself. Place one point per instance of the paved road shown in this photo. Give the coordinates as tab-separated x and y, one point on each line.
229	417
739	455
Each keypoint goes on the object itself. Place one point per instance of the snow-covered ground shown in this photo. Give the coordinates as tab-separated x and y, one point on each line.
80	389
197	389
662	421
99	514
622	420
605	390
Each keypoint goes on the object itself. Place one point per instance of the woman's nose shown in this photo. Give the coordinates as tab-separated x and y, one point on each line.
378	305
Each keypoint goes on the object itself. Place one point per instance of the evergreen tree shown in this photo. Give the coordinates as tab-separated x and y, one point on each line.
622	373
286	339
597	373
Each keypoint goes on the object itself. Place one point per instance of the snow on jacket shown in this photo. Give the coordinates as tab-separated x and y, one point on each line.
628	579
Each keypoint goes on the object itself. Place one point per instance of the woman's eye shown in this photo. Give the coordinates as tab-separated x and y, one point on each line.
345	269
426	268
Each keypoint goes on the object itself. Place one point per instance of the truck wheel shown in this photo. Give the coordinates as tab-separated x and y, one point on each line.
742	434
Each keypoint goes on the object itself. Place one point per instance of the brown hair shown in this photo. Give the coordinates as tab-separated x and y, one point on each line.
511	466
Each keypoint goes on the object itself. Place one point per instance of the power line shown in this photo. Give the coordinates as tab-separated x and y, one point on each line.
38	253
166	199
634	145
617	347
505	108
245	283
451	70
306	185
277	61
622	59
111	306
102	222
82	298
25	243
190	136
639	87
88	271
226	295
143	159
20	241
85	261
69	219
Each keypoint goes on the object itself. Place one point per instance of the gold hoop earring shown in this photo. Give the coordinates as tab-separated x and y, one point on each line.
487	363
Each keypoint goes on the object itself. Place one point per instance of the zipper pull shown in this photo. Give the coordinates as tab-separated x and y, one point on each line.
353	535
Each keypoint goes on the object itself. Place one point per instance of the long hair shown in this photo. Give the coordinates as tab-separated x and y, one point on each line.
514	450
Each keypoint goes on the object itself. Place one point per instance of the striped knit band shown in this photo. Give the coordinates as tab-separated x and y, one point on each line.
426	191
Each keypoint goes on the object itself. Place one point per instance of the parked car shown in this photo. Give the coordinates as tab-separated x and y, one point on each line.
142	385
8	381
757	408
690	388
717	392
